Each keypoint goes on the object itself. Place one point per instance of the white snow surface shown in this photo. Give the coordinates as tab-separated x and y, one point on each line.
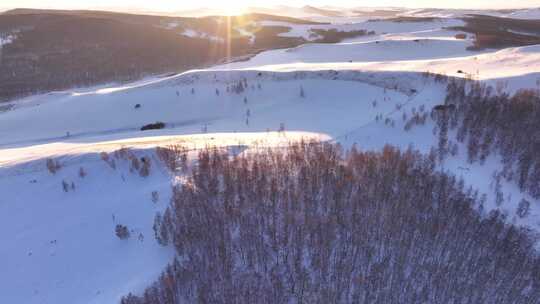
61	248
5	40
379	26
533	13
526	13
360	14
517	68
196	34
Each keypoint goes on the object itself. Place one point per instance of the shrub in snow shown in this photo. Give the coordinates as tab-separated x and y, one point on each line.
153	126
161	233
82	172
122	153
106	158
145	167
173	156
523	208
65	186
52	165
155	197
416	119
135	164
454	149
122	232
239	87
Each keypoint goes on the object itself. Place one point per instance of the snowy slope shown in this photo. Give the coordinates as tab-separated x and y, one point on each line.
62	247
516	67
59	247
96	113
377	50
347	14
5	40
533	13
525	13
393	41
358	14
379	27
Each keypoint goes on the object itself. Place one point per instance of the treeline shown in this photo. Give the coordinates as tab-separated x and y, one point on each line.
497	32
57	50
335	36
268	37
491	121
67	51
312	224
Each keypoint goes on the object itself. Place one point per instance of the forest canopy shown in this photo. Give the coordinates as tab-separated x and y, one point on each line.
313	224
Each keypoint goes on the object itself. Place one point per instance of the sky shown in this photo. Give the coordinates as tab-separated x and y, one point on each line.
165	5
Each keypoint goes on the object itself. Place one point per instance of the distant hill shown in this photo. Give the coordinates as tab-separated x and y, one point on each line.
59	49
322	12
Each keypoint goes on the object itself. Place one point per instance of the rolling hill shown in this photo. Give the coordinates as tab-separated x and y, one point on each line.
74	164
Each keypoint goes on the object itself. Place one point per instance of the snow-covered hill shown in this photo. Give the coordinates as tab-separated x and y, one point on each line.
59	242
60	245
533	13
516	68
357	14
